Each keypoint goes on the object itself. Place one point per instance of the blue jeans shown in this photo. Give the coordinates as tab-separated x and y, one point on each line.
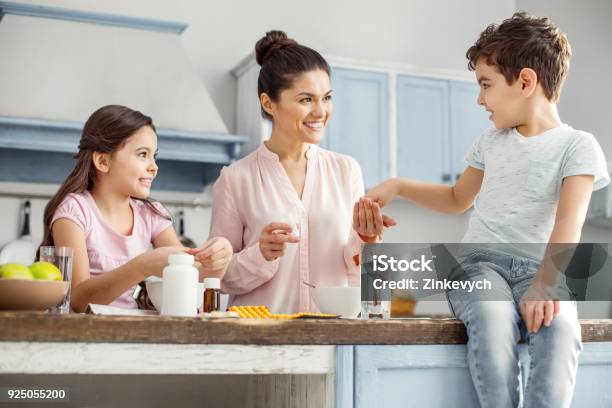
495	327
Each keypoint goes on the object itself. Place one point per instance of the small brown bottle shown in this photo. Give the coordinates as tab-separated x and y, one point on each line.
212	294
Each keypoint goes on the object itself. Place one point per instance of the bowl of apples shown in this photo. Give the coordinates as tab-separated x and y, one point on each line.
37	287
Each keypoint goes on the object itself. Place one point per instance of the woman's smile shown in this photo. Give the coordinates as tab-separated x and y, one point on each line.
315	125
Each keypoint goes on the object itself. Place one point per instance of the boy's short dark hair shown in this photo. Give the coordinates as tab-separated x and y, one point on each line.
524	41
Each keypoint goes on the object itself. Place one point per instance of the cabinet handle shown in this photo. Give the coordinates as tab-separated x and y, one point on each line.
446	177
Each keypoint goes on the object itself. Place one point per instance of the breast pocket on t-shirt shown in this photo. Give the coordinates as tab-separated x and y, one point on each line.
543	177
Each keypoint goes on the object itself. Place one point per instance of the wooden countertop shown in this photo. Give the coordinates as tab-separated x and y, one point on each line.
39	327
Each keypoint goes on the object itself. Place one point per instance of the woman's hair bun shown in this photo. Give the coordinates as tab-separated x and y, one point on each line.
272	42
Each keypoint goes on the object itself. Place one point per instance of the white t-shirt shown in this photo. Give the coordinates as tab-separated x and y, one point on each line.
520	191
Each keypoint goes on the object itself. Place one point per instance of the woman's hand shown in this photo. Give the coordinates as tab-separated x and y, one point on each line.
273	239
368	221
213	257
384	192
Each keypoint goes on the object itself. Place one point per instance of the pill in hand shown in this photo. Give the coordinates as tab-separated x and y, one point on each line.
295	231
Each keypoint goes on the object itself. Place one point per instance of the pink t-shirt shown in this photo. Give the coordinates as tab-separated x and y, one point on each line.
106	248
255	191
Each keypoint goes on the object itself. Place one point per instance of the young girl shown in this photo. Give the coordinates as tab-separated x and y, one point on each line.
102	210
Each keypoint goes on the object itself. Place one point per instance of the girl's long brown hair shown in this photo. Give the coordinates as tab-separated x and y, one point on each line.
106	130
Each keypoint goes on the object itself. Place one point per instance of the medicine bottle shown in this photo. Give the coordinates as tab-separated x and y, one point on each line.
180	286
212	295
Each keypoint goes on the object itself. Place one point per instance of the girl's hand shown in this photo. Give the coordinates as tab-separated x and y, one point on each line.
384	193
273	239
213	256
153	262
368	221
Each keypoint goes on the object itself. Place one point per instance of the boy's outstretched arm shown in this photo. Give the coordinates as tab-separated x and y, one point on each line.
438	197
571	214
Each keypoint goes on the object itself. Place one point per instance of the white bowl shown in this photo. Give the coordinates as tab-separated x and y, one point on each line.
155	291
343	301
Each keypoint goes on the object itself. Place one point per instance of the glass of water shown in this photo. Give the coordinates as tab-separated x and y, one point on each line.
61	257
376	309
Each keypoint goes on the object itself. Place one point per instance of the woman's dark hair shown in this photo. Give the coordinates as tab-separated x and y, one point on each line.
106	131
282	59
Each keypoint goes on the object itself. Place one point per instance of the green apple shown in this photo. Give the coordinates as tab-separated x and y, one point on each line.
15	271
45	271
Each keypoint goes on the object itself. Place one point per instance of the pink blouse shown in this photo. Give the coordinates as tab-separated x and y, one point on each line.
106	248
256	191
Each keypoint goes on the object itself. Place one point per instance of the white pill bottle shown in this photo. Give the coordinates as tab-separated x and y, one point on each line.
180	286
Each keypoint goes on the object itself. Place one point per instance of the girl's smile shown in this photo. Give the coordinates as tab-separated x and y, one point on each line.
133	167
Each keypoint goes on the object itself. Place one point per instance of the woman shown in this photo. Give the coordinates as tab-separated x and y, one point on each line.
291	210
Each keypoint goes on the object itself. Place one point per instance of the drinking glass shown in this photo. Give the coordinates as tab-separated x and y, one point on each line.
61	257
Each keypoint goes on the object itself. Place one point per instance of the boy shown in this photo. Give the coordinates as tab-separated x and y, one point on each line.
539	177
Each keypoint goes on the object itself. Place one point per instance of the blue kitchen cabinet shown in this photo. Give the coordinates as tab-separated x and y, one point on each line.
417	376
468	121
437	121
422	128
359	126
432	376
